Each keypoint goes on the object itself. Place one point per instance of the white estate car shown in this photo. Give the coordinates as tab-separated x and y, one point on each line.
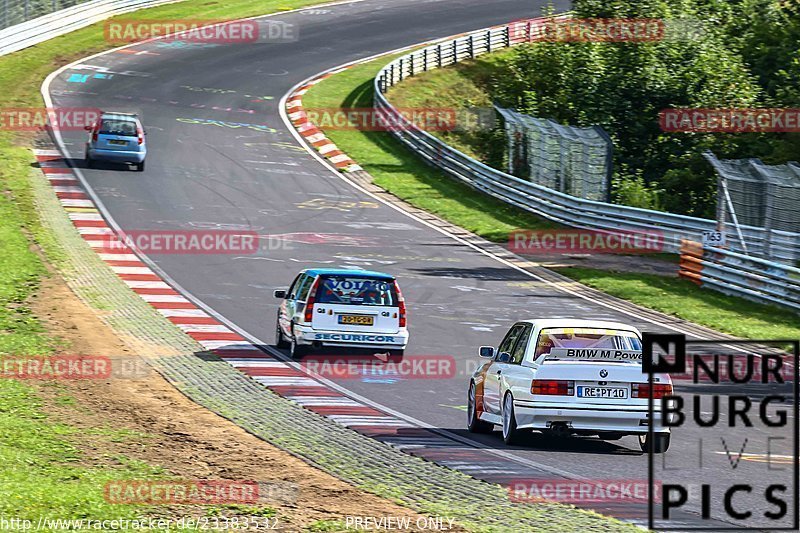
338	308
567	376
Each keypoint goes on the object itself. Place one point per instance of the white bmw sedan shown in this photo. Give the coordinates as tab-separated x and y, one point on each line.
570	377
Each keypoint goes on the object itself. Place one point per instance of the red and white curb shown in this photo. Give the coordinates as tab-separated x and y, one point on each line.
213	335
312	134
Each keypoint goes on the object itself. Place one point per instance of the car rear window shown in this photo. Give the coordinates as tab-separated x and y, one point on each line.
354	290
606	339
118	127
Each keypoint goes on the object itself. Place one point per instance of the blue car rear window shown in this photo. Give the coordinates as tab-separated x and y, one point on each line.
353	290
118	127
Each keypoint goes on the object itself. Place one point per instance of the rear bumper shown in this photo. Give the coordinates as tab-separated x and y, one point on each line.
352	339
119	156
618	418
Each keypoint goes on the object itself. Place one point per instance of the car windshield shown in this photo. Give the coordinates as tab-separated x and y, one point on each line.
118	127
353	290
607	339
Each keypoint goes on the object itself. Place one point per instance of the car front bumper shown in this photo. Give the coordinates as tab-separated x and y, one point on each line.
352	339
118	156
617	418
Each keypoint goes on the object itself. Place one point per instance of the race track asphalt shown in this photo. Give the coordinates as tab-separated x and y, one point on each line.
221	157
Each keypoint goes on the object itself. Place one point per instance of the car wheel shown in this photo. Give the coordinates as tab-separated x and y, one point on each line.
511	435
280	341
89	161
296	351
658	444
140	167
397	353
475	424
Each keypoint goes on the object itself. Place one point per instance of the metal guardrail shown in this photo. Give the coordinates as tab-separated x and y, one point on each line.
741	275
551	204
40	29
725	270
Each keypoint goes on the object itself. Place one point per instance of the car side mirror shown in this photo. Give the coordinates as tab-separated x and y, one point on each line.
504	357
280	293
486	351
87	128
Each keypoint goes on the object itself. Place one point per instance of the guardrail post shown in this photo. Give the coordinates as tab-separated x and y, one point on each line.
401	69
425	60
411	66
488	41
471	46
508	36
392	74
455	51
439	55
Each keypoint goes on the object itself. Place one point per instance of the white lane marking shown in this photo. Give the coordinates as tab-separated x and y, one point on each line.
137	284
355	421
130	257
46	153
185	313
85	216
277	381
132	270
164	298
324	400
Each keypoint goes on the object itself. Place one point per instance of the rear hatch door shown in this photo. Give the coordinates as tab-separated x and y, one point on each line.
356	304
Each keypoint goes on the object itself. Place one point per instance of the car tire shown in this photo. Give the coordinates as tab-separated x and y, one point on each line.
475	424
140	167
296	351
511	434
397	353
89	161
658	444
280	340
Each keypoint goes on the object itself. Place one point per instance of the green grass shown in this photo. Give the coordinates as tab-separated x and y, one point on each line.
681	298
402	173
41	473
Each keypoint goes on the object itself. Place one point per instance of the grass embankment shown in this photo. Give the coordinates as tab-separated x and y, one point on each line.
41	473
402	173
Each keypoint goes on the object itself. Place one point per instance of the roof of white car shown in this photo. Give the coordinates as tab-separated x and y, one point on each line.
577	323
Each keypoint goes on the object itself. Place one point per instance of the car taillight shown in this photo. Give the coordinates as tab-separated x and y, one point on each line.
401	305
553	387
94	136
140	135
642	390
309	314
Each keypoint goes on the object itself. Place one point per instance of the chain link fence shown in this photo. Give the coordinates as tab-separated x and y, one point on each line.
572	160
17	11
751	193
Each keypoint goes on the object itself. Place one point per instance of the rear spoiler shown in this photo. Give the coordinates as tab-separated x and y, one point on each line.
594	354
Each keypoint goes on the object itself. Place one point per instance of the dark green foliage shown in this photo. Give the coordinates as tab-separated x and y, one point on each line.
748	55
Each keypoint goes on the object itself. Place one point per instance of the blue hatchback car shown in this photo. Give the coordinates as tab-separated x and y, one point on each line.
116	137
